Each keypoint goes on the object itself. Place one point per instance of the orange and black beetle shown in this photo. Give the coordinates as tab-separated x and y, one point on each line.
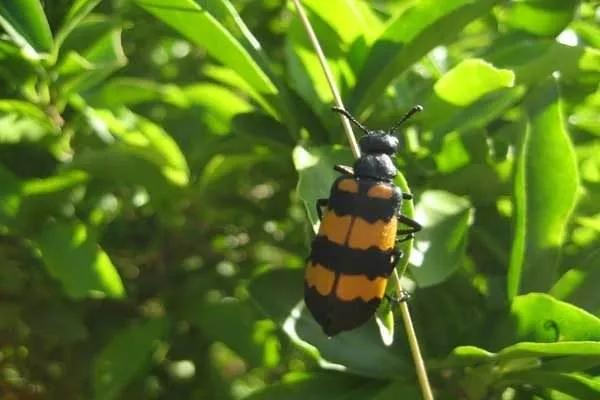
356	249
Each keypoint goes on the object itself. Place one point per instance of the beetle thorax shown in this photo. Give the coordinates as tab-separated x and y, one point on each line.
377	166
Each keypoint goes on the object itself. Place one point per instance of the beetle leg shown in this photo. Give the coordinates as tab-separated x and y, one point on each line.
414	227
320	204
344	169
407	196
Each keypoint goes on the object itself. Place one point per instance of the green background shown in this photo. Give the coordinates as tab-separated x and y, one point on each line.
159	164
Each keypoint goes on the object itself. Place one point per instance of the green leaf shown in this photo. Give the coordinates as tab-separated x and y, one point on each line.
193	22
581	387
540	318
533	59
407	38
72	255
579	285
144	139
126	356
78	11
349	19
91	52
545	186
440	246
558	349
130	91
470	80
541	17
25	22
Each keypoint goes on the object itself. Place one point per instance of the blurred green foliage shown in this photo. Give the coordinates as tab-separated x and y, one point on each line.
159	162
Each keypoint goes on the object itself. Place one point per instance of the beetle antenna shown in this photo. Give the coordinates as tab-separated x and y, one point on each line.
407	116
351	118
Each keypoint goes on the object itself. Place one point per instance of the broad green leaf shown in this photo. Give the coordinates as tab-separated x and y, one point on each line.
540	318
330	385
72	255
409	37
125	356
545	185
440	247
144	139
193	22
470	80
579	285
25	22
532	59
579	386
540	17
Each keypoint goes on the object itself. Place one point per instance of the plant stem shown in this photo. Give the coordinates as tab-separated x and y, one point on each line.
404	310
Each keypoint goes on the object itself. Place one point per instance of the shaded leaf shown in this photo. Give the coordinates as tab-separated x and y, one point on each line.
125	356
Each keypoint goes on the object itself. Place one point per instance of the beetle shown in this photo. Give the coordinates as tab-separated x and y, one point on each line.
356	247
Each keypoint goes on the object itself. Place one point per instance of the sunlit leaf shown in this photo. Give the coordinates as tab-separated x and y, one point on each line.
545	185
407	38
72	255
